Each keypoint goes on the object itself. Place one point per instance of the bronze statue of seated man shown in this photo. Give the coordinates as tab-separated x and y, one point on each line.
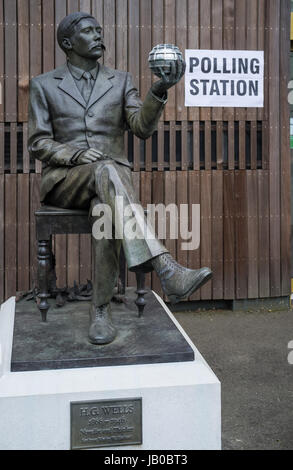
78	115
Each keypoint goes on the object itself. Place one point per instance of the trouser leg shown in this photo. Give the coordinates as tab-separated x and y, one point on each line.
112	183
105	258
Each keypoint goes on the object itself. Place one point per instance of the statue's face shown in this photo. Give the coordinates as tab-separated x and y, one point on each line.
87	39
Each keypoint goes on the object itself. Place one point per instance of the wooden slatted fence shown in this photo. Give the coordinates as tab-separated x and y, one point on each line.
235	163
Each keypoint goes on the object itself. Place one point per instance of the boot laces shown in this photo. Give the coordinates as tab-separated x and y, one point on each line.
100	312
173	264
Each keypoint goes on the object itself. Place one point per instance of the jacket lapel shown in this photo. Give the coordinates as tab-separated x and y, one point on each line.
102	85
68	85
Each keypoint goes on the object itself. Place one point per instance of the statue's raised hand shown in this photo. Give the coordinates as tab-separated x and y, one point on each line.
177	70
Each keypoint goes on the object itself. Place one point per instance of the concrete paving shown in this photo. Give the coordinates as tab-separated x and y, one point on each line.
248	351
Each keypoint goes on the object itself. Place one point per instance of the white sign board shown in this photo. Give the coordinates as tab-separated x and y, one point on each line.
233	79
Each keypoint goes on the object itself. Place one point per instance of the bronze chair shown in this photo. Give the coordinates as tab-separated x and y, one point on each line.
54	220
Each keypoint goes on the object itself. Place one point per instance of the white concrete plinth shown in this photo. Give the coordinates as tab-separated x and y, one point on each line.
181	403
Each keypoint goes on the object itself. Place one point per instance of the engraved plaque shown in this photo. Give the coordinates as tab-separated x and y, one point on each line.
106	423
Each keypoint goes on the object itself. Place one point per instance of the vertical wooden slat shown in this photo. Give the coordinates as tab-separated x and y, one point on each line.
146	75
23	59
2	64
145	45
182	199
85	5
241	247
85	247
73	259
266	61
157	198
206	227
184	146
253	145
133	40
172	145
157	29
274	147
194	198
219	137
170	38
205	42
251	43
11	235
72	6
264	234
229	42
48	35
193	43
146	198
109	32
242	145
252	234
98	11
170	198
208	145
196	145
261	46
35	37
23	232
265	145
229	234
60	13
10	60
122	45
36	48
217	234
181	42
240	43
25	154
2	134
35	180
217	41
231	145
284	149
134	62
13	147
61	259
136	181
121	35
161	146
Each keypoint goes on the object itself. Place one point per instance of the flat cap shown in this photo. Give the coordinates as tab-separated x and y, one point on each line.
66	26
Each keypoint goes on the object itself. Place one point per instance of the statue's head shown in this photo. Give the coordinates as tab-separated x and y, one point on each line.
80	33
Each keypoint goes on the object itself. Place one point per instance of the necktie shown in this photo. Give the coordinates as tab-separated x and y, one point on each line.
87	86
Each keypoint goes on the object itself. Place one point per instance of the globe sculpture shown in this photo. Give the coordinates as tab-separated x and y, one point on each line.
161	58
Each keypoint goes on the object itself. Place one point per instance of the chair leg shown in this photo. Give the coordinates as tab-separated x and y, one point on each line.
44	262
140	301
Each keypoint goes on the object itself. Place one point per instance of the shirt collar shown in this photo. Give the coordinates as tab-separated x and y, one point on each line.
78	73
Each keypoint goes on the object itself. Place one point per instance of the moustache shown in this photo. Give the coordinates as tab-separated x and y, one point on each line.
101	44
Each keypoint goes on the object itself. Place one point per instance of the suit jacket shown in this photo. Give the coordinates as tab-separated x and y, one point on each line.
61	123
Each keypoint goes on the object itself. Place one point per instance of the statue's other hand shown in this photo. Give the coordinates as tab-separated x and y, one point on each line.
168	80
90	155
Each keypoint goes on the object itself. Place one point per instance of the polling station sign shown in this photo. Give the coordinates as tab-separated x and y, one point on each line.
224	78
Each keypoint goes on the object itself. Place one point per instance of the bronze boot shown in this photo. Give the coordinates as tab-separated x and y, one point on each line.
178	282
101	330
